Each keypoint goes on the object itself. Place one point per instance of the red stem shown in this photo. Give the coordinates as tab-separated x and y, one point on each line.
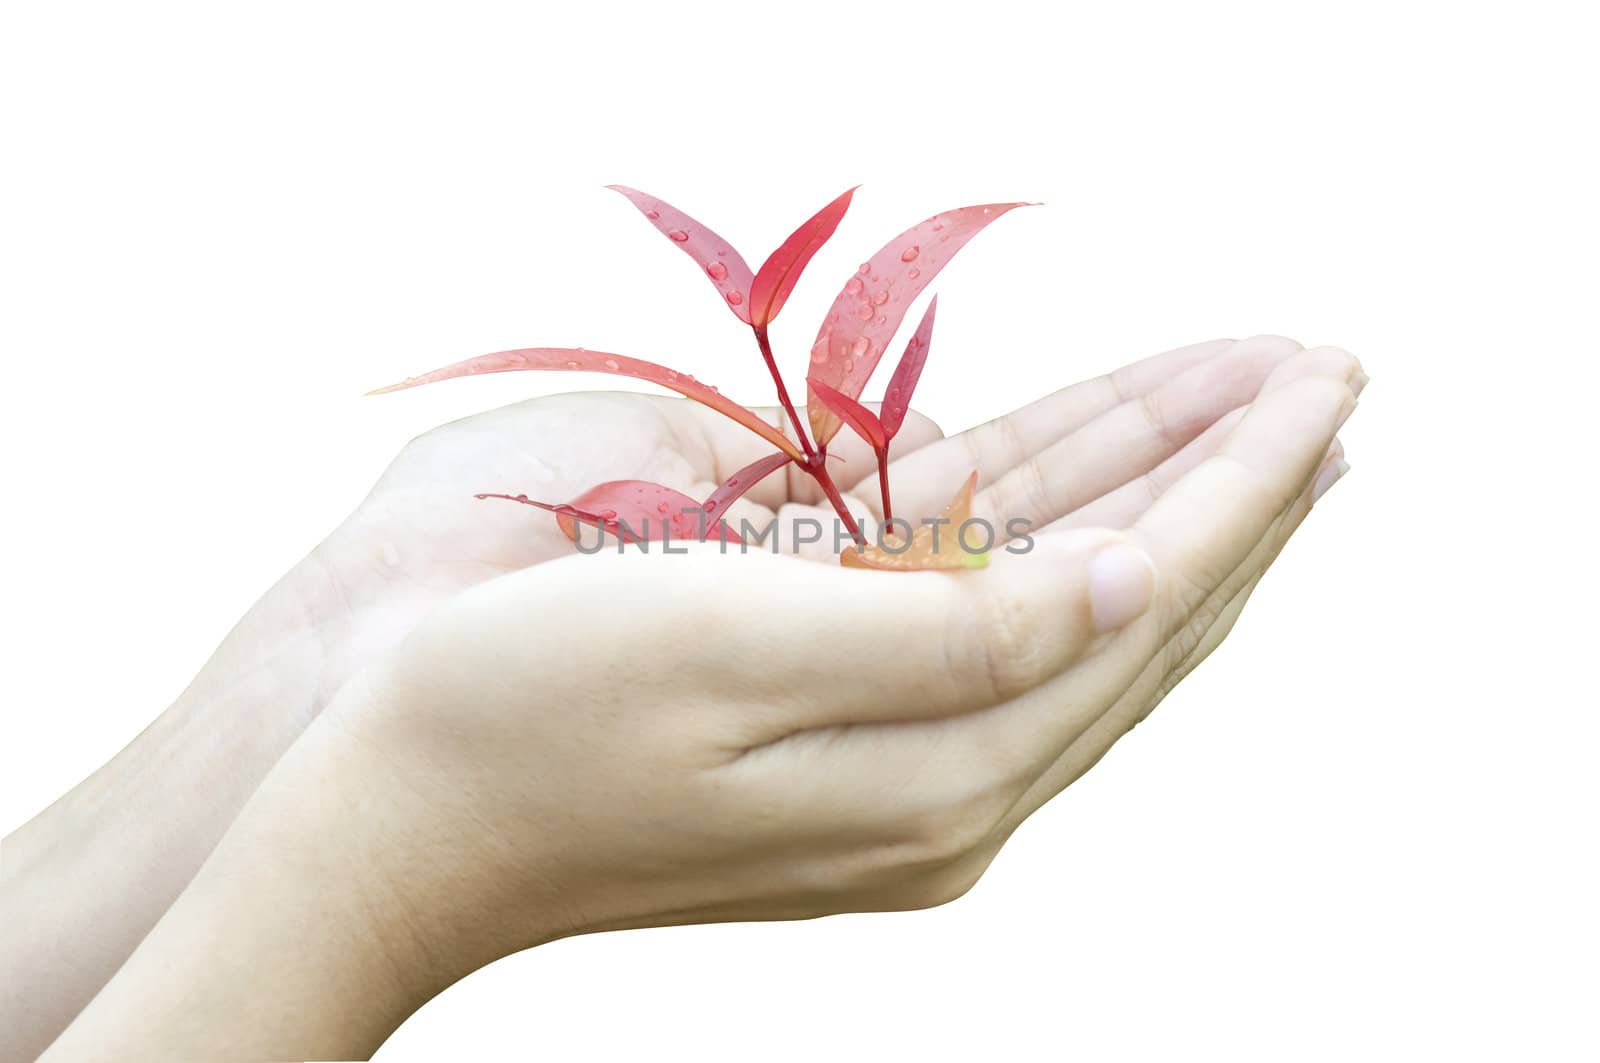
883	482
783	393
816	462
819	472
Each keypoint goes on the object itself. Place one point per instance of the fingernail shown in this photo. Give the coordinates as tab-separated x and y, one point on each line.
1328	477
1358	383
1122	582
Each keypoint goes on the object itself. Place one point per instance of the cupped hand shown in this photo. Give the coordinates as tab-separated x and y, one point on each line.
628	740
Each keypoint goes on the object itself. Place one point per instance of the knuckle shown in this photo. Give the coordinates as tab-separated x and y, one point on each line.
1153	407
938	837
1010	646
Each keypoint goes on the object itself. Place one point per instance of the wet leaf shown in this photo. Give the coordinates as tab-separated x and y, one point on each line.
897	400
580	360
636	511
722	265
866	313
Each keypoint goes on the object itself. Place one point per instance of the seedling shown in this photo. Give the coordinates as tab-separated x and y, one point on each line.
852	339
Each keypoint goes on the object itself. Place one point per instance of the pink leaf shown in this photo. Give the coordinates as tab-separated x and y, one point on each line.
577	359
734	487
725	267
781	271
864	317
904	381
634	511
864	421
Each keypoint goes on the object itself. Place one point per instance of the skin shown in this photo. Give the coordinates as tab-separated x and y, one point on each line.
417	754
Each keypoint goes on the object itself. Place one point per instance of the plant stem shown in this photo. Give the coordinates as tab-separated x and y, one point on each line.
783	393
819	472
816	462
883	482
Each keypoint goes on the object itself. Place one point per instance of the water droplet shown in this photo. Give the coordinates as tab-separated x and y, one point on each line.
881	320
819	352
653	215
672	374
572	365
608	514
662	507
717	271
722	253
612	364
881	298
938	225
914	274
861	347
679	235
849	367
733	481
910	253
853	285
864	312
988	210
864	268
734	298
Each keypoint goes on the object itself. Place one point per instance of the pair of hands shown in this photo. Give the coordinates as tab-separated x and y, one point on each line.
585	743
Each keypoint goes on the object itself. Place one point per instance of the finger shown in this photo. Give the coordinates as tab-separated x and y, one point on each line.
857	646
923	480
1124	505
1203	527
1189	648
1131	438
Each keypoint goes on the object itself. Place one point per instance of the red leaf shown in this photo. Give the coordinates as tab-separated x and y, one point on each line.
865	315
781	271
577	359
725	267
898	398
634	511
734	487
931	547
857	416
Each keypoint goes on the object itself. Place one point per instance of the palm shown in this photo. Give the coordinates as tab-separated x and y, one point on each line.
1092	453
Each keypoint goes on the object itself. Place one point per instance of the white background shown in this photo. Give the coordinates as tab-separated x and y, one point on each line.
1365	829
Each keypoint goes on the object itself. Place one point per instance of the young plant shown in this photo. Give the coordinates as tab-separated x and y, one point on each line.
851	341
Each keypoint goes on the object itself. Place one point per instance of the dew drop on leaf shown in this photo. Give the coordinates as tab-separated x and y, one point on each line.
662	507
864	268
910	253
914	274
612	364
734	298
853	285
865	311
882	320
653	215
849	367
717	271
572	365
819	351
881	298
679	235
860	348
